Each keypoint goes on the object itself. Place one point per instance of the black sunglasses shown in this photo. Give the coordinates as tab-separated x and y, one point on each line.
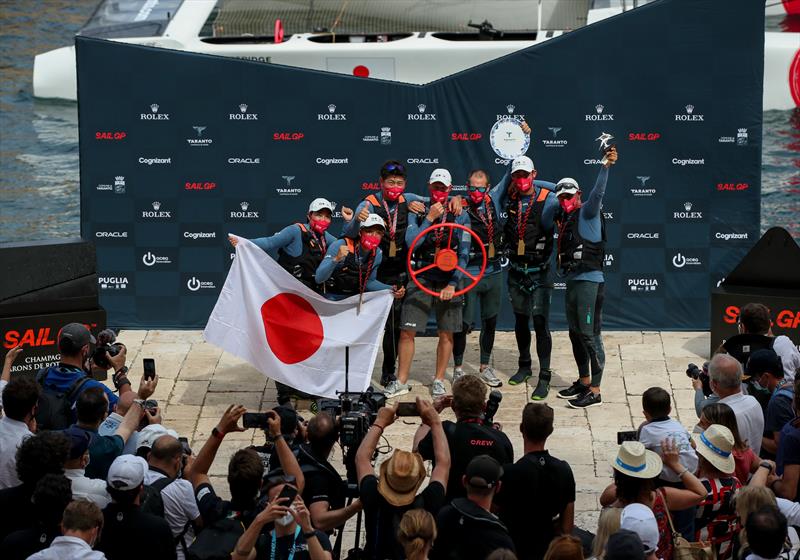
479	189
394	167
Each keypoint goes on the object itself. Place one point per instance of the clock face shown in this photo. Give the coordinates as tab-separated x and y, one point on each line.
507	139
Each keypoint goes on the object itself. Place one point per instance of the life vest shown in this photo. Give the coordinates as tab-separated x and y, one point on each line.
576	254
304	266
426	249
391	267
480	225
345	279
538	243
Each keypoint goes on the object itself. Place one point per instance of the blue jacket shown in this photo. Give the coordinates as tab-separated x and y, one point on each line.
61	377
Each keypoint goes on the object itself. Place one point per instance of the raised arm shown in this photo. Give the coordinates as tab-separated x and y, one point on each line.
287	459
280	240
441	451
336	252
228	423
693	492
386	416
591	207
350	229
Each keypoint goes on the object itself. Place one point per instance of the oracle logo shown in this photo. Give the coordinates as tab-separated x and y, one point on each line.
117	234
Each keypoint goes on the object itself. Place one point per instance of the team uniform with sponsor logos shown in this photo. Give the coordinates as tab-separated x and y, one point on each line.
581	253
354	274
392	269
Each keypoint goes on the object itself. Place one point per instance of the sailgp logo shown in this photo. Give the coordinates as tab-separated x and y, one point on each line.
599	114
422	114
154	114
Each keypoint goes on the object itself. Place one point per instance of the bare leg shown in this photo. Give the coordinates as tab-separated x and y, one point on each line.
405	355
443	351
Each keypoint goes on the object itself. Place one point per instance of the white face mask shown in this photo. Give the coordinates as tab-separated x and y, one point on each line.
285	520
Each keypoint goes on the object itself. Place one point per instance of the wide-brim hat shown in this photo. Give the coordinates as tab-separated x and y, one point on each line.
716	446
634	460
401	476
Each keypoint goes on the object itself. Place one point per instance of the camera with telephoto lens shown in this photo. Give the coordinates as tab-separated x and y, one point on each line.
695	372
495	397
106	342
356	413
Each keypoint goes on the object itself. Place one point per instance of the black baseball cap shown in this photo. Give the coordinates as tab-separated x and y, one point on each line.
80	440
624	545
74	336
764	360
483	472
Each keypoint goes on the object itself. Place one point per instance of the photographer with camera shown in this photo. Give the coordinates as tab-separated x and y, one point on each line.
290	430
469	436
387	498
62	384
325	491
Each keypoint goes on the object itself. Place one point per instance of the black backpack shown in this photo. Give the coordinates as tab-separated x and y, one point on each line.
153	503
55	407
218	540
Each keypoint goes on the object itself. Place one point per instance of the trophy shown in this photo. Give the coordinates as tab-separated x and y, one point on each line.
507	138
605	147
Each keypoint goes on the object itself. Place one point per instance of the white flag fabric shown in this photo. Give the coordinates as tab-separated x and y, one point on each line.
267	317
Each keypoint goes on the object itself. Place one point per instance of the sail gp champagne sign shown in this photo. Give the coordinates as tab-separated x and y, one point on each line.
507	138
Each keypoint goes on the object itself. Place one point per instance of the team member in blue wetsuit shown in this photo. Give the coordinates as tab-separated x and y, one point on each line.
528	241
418	304
581	252
484	216
350	266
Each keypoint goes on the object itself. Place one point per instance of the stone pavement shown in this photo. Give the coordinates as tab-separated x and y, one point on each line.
198	381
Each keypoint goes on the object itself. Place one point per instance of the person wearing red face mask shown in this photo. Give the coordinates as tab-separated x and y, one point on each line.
394	205
581	253
418	305
484	215
350	266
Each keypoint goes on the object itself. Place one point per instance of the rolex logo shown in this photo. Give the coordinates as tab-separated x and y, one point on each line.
244	205
421	107
331	108
156	205
599	108
243	107
643	180
690	109
154	107
687	206
510	108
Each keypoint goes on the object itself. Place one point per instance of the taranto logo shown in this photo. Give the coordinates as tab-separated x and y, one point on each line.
154	114
200	140
118	187
733	186
112	282
242	115
288	136
643	136
288	190
118	135
555	141
385	136
331	115
643	190
741	138
689	115
422	114
599	114
199	186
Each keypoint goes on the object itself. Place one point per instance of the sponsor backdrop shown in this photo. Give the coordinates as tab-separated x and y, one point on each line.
178	149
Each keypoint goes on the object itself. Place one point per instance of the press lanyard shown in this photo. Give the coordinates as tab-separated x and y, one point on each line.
275	540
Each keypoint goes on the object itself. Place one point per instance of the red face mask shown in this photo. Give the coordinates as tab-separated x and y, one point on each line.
439	196
393	193
319	225
523	184
569	205
370	241
476	196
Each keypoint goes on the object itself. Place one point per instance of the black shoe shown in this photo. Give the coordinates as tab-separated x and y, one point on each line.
587	401
522	375
577	389
541	391
387	378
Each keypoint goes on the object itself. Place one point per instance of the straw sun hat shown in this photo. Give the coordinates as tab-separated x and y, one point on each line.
716	446
634	460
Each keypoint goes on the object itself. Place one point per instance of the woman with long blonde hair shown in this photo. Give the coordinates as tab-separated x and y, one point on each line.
416	534
607	525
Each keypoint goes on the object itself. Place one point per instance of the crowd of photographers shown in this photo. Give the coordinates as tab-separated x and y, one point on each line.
86	472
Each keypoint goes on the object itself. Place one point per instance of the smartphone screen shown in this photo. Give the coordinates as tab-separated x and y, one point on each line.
287	492
255	420
149	368
407	409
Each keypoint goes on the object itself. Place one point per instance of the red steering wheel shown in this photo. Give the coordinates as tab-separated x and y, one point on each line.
446	259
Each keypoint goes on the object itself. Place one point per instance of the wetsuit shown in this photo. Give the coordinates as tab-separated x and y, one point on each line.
355	273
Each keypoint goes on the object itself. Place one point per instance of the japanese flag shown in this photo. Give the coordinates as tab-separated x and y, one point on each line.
267	317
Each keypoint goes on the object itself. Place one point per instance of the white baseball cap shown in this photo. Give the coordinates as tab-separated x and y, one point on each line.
149	434
640	519
321	204
373	220
441	176
523	163
127	472
567	185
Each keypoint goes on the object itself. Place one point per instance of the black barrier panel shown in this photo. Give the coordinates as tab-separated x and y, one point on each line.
214	145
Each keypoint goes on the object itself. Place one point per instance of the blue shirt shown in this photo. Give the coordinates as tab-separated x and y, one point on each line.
499	194
415	228
290	239
491	268
62	377
590	225
328	266
351	229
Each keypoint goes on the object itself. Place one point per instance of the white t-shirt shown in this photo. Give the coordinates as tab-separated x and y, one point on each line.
12	432
749	418
180	506
89	489
653	433
789	354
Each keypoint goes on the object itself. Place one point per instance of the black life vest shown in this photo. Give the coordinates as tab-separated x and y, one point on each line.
426	249
538	243
345	279
304	266
391	267
576	254
481	229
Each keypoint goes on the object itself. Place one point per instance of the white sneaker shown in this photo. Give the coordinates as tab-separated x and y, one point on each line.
457	372
396	389
438	389
488	377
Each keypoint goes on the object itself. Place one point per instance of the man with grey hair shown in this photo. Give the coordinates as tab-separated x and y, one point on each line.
725	373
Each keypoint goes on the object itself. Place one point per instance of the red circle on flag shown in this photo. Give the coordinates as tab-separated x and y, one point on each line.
293	328
361	71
